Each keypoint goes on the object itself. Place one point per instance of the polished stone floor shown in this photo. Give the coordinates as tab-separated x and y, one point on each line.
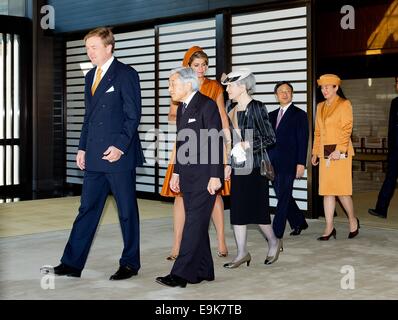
362	268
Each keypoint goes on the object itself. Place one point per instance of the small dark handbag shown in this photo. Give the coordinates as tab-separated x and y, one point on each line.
328	149
266	168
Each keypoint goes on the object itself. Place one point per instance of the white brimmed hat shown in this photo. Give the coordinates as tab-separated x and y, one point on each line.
235	76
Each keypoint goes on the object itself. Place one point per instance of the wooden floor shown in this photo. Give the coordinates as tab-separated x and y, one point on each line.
29	217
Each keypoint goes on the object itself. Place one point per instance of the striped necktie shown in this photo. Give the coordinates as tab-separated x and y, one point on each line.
97	81
280	115
184	107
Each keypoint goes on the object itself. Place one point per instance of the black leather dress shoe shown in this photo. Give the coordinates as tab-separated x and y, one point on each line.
64	270
124	272
297	231
172	281
373	212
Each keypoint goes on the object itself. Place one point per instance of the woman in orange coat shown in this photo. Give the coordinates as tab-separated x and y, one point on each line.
198	60
333	148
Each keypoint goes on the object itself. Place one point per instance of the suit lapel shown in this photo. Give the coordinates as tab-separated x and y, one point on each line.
329	110
191	109
89	82
104	84
285	117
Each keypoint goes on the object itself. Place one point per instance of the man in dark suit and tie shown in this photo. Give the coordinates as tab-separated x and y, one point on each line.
390	182
288	157
109	152
198	173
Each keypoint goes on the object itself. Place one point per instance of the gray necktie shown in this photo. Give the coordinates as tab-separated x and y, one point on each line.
184	107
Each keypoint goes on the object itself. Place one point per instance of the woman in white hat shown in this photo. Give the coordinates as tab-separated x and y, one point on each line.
252	132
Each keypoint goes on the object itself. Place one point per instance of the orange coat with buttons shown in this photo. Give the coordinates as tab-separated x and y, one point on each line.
333	125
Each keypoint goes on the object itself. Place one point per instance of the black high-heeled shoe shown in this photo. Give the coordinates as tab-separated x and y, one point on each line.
354	233
326	238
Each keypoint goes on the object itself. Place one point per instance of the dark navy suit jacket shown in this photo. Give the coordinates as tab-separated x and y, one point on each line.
291	140
201	113
112	118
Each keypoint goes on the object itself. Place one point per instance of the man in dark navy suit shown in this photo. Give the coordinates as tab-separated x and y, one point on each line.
198	173
288	157
109	152
390	182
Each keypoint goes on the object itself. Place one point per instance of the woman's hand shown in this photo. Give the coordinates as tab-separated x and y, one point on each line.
213	185
335	155
245	145
227	173
314	160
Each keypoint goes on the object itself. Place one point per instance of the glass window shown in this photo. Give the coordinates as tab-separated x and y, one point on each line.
13	8
2	106
16	90
4	7
371	101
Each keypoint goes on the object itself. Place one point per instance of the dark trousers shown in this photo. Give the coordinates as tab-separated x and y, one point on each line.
194	262
96	187
287	208
389	184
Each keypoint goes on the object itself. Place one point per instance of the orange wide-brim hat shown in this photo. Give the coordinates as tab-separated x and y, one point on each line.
329	79
188	55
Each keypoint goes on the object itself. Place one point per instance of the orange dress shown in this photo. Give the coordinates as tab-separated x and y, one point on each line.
212	89
333	125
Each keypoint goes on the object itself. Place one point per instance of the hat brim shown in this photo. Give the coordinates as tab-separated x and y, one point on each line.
325	80
235	76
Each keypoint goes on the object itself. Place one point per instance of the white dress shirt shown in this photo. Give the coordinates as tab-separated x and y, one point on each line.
104	68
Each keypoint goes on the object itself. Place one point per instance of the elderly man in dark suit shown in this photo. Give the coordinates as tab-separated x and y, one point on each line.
198	173
288	157
390	182
109	151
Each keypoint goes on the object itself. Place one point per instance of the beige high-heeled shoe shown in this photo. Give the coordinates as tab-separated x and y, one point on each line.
232	265
272	259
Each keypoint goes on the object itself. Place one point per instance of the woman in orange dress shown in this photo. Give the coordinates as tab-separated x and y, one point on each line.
333	151
198	60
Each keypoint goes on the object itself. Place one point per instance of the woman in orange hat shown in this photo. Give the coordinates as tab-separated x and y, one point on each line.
198	60
333	152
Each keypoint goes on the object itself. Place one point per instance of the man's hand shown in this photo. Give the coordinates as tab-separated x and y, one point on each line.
112	154
175	182
213	185
227	173
299	171
80	159
314	160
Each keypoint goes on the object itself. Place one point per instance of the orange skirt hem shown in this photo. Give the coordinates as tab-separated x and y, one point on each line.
167	192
